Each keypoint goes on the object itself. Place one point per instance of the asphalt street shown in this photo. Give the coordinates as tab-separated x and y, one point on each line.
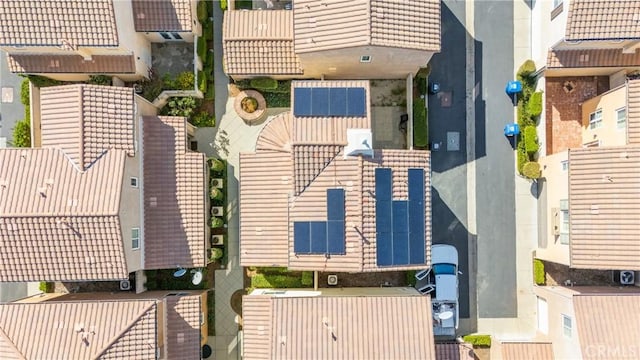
492	247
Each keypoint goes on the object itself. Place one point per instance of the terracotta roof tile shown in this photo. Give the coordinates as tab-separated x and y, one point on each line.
603	20
57	23
46	199
405	24
174	196
338	327
588	58
604	192
607	322
633	111
71	64
259	43
454	351
527	351
53	330
162	15
309	161
183	327
86	120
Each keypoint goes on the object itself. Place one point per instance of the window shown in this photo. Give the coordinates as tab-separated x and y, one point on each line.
176	36
566	325
365	58
621	118
543	316
166	36
564	222
557	3
595	119
565	165
135	238
556	9
134	182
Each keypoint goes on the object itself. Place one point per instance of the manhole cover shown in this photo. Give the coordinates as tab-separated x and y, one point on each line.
445	98
453	141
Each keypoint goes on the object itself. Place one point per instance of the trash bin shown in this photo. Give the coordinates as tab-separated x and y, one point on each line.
434	88
511	130
513	87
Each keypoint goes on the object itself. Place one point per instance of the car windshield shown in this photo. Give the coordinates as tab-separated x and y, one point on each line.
444	269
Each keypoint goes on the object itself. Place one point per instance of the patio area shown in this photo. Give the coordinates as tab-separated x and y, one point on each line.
171	58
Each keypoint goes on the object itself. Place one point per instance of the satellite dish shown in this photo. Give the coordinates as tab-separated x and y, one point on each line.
197	277
180	272
446	315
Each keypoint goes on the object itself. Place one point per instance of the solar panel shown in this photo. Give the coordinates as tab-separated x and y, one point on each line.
337	101
301	237
335	204
383	184
318	237
400	232
356	102
400	212
384	248
335	237
417	245
302	102
320	101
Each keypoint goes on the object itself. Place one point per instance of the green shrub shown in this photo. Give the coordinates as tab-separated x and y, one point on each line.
202	81
208	66
180	106
46	287
523	157
277	100
524	119
410	277
307	278
202	49
168	82
526	69
216	194
420	126
217	165
185	80
531	170
216	253
478	340
41	81
223	5
244	4
534	106
22	134
203	119
99	80
211	92
24	92
217	222
275	281
201	11
207	30
538	272
264	83
530	140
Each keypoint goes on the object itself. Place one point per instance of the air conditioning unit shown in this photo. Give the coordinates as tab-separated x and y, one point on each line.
125	285
217	239
624	277
217	183
556	221
217	211
332	280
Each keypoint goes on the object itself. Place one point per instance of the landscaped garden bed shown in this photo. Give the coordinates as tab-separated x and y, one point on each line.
276	278
277	93
420	115
218	217
529	110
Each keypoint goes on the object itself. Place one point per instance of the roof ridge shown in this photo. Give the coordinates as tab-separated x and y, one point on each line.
3	335
121	334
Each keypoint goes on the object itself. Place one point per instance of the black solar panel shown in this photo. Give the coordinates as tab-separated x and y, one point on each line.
324	101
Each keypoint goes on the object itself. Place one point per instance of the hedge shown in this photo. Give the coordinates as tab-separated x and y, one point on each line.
202	50
420	130
264	83
530	140
22	134
478	340
527	68
275	281
534	107
201	11
223	5
307	278
202	81
531	170
538	272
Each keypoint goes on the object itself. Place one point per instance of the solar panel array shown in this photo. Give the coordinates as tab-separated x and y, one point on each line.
333	101
323	237
400	224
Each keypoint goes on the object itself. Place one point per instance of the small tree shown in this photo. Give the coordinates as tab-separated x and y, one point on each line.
217	222
216	194
22	134
217	165
531	170
216	254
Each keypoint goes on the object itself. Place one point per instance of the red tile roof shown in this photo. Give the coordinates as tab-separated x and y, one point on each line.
183	326
340	327
162	15
603	20
589	58
174	196
71	64
46	199
58	23
86	120
55	330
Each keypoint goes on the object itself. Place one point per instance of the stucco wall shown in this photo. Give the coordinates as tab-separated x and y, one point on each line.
608	133
129	39
386	63
545	32
556	188
559	301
